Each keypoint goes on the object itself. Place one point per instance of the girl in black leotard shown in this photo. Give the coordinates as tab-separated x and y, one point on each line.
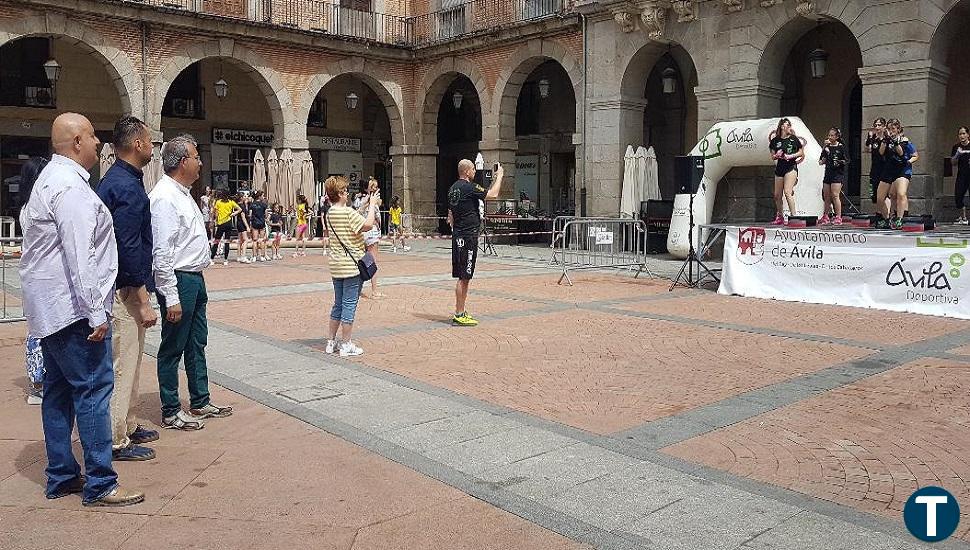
873	141
961	157
835	158
786	150
899	155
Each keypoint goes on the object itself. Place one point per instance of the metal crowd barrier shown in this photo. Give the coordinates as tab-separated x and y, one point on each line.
599	243
9	260
558	232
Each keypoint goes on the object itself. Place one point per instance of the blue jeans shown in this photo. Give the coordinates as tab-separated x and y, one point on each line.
78	384
346	293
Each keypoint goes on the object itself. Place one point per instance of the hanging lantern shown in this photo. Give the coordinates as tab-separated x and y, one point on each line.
52	69
669	77
456	100
352	100
222	88
544	88
818	59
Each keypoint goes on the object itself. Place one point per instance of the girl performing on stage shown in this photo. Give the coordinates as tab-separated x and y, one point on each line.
835	158
900	154
961	157
786	149
873	142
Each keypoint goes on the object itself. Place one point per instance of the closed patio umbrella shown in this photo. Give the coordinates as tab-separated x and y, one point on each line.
308	185
287	183
647	166
628	192
107	157
259	172
153	172
272	178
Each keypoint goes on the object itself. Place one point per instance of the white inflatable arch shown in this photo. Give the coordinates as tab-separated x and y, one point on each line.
744	143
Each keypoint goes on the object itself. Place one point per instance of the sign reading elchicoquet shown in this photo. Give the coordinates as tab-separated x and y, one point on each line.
896	272
252	138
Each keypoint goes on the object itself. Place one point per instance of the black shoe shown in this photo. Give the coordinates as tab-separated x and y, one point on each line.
133	453
143	435
72	487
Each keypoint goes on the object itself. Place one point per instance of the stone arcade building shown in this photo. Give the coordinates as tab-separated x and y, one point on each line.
401	89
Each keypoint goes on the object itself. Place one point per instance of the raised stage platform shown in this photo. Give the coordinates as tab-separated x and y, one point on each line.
916	272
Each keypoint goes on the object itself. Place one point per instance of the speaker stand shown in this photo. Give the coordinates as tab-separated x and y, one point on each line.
685	277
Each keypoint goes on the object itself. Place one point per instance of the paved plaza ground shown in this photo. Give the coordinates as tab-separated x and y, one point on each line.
608	414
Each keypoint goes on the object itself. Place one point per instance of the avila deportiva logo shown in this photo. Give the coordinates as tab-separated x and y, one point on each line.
928	283
751	245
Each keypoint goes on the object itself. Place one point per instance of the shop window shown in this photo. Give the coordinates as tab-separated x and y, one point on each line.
318	113
186	96
241	168
23	82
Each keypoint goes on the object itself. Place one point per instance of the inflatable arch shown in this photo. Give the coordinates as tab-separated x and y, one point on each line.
743	143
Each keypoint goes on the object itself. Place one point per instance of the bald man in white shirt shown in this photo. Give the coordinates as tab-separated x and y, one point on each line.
68	270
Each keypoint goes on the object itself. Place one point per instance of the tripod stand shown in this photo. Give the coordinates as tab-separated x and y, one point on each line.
686	272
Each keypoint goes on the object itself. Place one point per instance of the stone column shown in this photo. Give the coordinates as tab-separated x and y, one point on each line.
916	92
612	124
414	172
753	99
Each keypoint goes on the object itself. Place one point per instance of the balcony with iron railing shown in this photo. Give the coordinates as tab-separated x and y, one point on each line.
449	23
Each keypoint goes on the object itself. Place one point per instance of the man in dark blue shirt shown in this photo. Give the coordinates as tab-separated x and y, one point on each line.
123	192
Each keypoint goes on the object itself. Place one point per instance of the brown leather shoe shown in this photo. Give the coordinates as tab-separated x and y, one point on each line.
118	497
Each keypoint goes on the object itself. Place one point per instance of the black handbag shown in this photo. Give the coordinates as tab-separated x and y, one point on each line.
366	265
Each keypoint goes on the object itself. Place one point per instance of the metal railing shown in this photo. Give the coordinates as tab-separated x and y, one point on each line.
11	308
598	243
446	24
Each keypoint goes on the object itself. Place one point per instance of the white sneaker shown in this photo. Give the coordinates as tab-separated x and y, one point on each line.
394	250
225	262
350	349
407	248
295	255
242	260
332	345
302	254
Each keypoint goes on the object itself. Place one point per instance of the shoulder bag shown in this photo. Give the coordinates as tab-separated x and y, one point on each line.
366	265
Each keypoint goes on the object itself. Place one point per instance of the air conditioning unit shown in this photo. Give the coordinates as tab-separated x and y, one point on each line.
38	96
183	107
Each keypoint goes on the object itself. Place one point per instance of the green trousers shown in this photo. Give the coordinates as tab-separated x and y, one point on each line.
184	340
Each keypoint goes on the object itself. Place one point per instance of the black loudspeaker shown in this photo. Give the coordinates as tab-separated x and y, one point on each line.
688	172
484	178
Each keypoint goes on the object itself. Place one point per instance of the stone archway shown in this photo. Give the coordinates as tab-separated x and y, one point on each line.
500	124
116	62
434	84
387	90
287	133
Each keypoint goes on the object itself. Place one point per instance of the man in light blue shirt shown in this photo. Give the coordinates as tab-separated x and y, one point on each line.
68	270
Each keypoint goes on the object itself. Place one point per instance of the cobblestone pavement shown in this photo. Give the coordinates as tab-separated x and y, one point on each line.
612	413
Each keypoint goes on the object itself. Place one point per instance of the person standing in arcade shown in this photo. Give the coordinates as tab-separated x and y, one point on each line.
786	150
835	158
961	157
873	141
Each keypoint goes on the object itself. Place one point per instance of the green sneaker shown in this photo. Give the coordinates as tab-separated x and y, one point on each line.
464	320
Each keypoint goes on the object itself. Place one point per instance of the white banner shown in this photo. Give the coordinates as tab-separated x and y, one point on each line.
896	272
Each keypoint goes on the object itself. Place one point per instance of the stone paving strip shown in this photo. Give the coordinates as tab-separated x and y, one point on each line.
605	491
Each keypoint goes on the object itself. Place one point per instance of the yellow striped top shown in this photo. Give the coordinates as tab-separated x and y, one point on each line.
345	222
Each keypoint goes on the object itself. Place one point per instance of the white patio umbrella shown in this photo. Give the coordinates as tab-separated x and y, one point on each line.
308	186
153	171
647	163
286	182
107	157
259	172
628	191
272	177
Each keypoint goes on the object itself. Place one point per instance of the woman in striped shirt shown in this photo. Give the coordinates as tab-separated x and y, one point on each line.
346	227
